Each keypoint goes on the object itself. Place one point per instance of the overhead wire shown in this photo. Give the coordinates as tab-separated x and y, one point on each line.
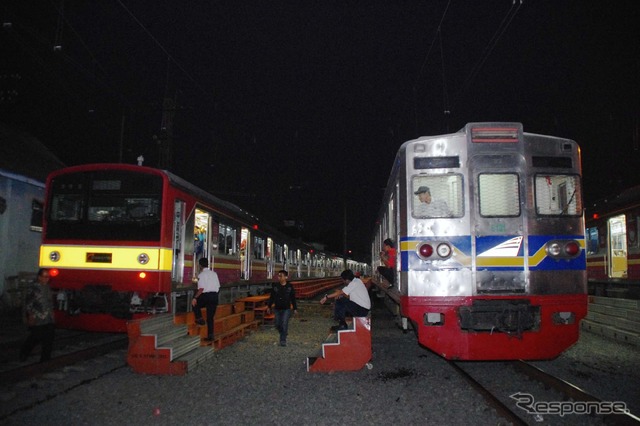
504	24
426	58
445	94
157	42
424	63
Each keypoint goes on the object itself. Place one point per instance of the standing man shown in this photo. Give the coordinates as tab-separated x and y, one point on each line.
388	258
356	303
39	317
206	296
284	298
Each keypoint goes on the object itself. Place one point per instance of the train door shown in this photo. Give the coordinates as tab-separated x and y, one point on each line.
201	236
500	229
177	266
245	257
617	246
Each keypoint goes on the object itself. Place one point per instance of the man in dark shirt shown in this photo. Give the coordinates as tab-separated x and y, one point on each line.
284	298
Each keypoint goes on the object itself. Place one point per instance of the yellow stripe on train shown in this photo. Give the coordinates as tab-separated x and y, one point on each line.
105	257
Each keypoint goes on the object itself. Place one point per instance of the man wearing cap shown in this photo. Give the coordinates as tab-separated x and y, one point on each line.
428	207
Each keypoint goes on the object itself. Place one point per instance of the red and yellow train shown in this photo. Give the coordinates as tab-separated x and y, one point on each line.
123	241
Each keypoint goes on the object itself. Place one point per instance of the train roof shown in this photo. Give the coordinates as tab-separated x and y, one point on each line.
228	207
627	199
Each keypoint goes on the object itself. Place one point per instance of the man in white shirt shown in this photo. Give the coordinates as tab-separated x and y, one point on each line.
206	296
352	300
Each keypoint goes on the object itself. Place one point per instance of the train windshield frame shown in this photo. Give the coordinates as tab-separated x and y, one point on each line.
105	205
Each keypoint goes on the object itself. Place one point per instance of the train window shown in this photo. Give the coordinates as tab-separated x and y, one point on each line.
592	240
632	231
499	195
67	208
123	209
437	196
558	195
226	239
258	248
279	257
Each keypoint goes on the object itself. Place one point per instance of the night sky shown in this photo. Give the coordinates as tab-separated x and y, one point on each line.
293	110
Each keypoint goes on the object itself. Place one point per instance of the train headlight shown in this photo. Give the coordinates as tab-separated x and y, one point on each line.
563	318
425	250
143	258
554	249
54	256
563	248
443	250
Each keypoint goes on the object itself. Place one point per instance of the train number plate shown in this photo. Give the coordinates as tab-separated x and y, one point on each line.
98	257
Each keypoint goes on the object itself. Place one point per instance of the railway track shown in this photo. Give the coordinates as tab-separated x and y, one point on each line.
32	370
25	386
523	408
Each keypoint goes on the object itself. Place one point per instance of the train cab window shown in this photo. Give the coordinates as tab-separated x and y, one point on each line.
226	239
105	205
558	195
66	208
499	195
438	196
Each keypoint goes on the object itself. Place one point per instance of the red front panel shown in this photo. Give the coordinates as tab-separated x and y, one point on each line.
120	281
451	342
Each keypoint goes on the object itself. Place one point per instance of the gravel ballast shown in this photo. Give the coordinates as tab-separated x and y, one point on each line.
256	381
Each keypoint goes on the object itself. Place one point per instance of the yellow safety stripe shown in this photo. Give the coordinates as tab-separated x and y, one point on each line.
106	257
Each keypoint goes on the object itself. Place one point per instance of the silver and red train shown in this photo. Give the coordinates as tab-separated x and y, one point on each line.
123	241
494	267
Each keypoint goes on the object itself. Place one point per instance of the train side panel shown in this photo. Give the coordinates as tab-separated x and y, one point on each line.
124	241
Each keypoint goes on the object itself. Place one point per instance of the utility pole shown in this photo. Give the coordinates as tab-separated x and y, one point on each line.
165	141
344	235
121	138
166	134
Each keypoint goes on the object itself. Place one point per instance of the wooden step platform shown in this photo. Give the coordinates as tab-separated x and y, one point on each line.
170	344
346	350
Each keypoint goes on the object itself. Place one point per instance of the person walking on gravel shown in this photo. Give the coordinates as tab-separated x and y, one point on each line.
283	298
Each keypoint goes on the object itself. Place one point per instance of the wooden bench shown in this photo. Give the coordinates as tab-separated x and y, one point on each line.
233	335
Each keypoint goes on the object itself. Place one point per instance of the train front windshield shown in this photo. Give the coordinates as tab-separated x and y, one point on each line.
105	205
